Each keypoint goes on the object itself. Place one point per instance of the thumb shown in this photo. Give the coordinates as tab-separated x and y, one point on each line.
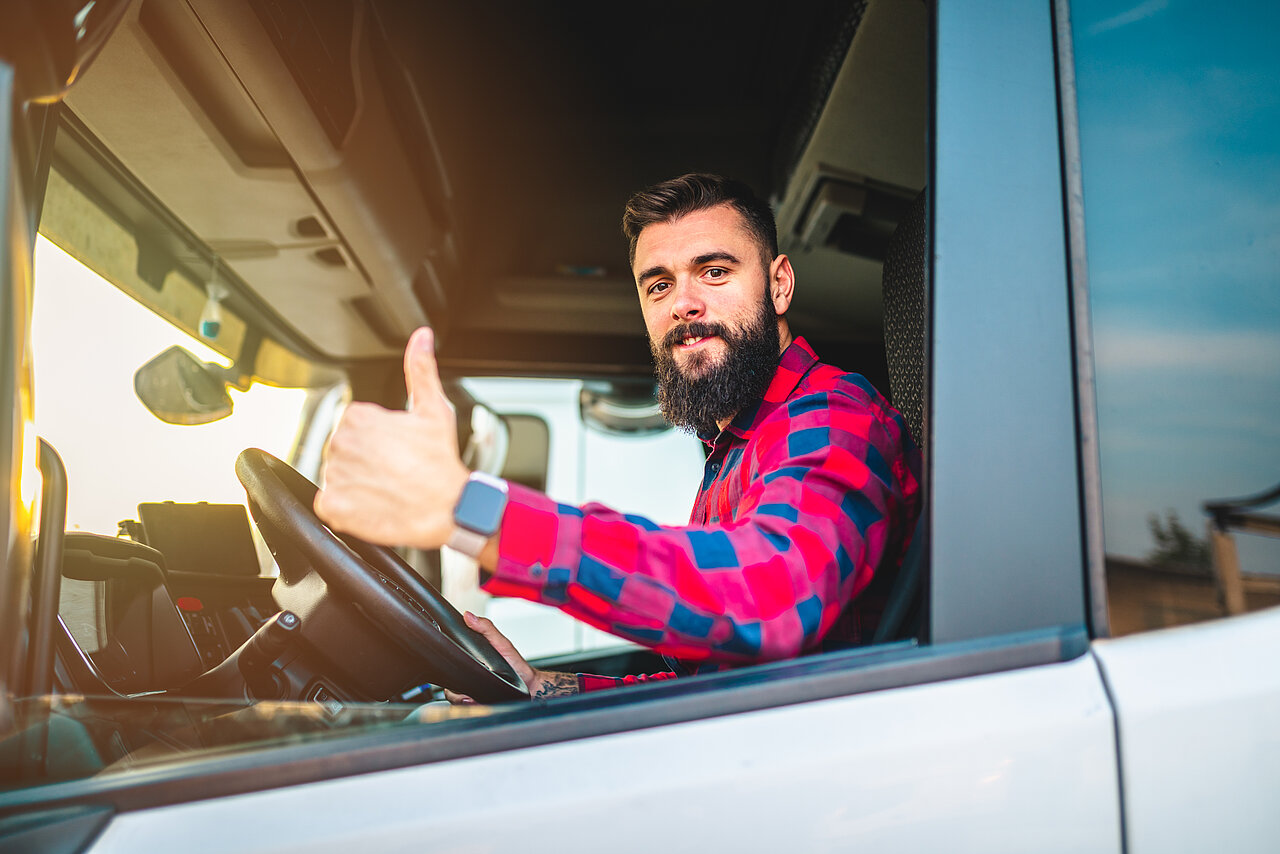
421	374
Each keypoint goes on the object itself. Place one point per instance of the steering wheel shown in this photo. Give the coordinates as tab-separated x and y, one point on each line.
376	581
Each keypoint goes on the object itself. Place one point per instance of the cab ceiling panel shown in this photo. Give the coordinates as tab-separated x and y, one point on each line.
196	101
551	114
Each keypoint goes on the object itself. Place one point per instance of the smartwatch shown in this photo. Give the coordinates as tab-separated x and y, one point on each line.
478	513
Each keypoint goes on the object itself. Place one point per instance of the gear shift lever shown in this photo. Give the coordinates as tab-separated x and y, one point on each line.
261	651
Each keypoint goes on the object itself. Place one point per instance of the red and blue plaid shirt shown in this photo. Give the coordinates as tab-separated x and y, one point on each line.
804	498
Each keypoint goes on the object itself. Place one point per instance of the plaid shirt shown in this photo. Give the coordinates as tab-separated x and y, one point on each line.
803	499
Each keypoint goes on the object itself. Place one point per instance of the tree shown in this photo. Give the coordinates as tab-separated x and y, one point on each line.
1175	545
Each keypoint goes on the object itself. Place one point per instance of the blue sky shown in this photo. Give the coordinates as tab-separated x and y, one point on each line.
1179	106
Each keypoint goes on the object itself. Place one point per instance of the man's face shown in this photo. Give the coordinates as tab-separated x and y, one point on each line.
710	313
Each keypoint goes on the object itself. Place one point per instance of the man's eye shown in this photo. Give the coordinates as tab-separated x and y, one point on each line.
716	273
658	287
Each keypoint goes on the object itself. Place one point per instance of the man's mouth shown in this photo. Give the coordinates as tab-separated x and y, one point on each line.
691	341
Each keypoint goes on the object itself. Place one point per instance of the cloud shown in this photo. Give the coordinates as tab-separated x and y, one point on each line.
1232	352
1138	13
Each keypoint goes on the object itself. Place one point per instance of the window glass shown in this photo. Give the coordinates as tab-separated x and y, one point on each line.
1179	107
88	339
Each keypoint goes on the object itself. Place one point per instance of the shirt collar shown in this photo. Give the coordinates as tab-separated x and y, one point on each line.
796	361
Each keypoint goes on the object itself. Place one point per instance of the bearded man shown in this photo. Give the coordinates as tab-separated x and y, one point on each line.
811	486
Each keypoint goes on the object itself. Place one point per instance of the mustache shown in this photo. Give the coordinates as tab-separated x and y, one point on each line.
695	329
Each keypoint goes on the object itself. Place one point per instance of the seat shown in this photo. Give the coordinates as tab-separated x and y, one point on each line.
130	630
905	323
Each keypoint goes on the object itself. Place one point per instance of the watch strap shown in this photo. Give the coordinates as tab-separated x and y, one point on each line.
469	543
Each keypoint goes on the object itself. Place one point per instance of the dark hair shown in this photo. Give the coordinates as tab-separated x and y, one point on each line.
699	191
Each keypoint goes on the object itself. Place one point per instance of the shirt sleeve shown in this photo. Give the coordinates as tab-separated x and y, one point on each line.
592	682
828	491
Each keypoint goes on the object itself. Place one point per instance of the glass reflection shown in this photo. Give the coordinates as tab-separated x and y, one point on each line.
1179	108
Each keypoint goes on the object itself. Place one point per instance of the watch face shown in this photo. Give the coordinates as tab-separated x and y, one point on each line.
480	508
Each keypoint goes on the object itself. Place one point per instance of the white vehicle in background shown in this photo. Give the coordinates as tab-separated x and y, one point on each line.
579	443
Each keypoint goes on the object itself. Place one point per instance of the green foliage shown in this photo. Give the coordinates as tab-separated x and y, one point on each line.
1174	543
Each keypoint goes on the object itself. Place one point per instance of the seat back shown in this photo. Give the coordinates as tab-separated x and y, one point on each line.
136	638
905	322
902	286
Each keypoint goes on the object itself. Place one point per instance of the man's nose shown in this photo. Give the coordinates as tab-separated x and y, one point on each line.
688	303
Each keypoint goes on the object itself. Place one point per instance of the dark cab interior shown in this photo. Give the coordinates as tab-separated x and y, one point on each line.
353	170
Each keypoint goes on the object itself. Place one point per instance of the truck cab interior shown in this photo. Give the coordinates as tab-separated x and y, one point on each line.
298	187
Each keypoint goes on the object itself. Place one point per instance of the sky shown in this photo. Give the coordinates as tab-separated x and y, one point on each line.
1179	106
116	453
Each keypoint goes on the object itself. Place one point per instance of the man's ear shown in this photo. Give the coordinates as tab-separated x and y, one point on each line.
782	283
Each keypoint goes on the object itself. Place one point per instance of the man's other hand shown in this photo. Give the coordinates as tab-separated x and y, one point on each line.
390	477
541	683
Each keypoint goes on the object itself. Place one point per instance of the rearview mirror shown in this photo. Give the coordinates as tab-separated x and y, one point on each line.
178	388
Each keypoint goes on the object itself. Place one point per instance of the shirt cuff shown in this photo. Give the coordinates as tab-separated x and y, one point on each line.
527	541
592	682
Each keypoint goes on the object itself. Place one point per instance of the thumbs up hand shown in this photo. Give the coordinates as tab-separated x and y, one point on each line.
390	477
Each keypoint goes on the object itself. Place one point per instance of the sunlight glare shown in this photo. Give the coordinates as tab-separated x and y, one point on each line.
88	338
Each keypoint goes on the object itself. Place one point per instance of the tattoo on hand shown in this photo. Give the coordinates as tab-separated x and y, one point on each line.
555	685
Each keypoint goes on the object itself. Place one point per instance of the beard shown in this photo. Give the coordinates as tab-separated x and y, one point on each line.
706	391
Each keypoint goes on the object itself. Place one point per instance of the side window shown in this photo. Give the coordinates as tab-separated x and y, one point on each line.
1179	108
528	451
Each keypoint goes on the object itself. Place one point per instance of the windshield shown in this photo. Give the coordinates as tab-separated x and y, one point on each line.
88	339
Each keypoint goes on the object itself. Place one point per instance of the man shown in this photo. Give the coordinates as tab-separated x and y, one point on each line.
810	488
